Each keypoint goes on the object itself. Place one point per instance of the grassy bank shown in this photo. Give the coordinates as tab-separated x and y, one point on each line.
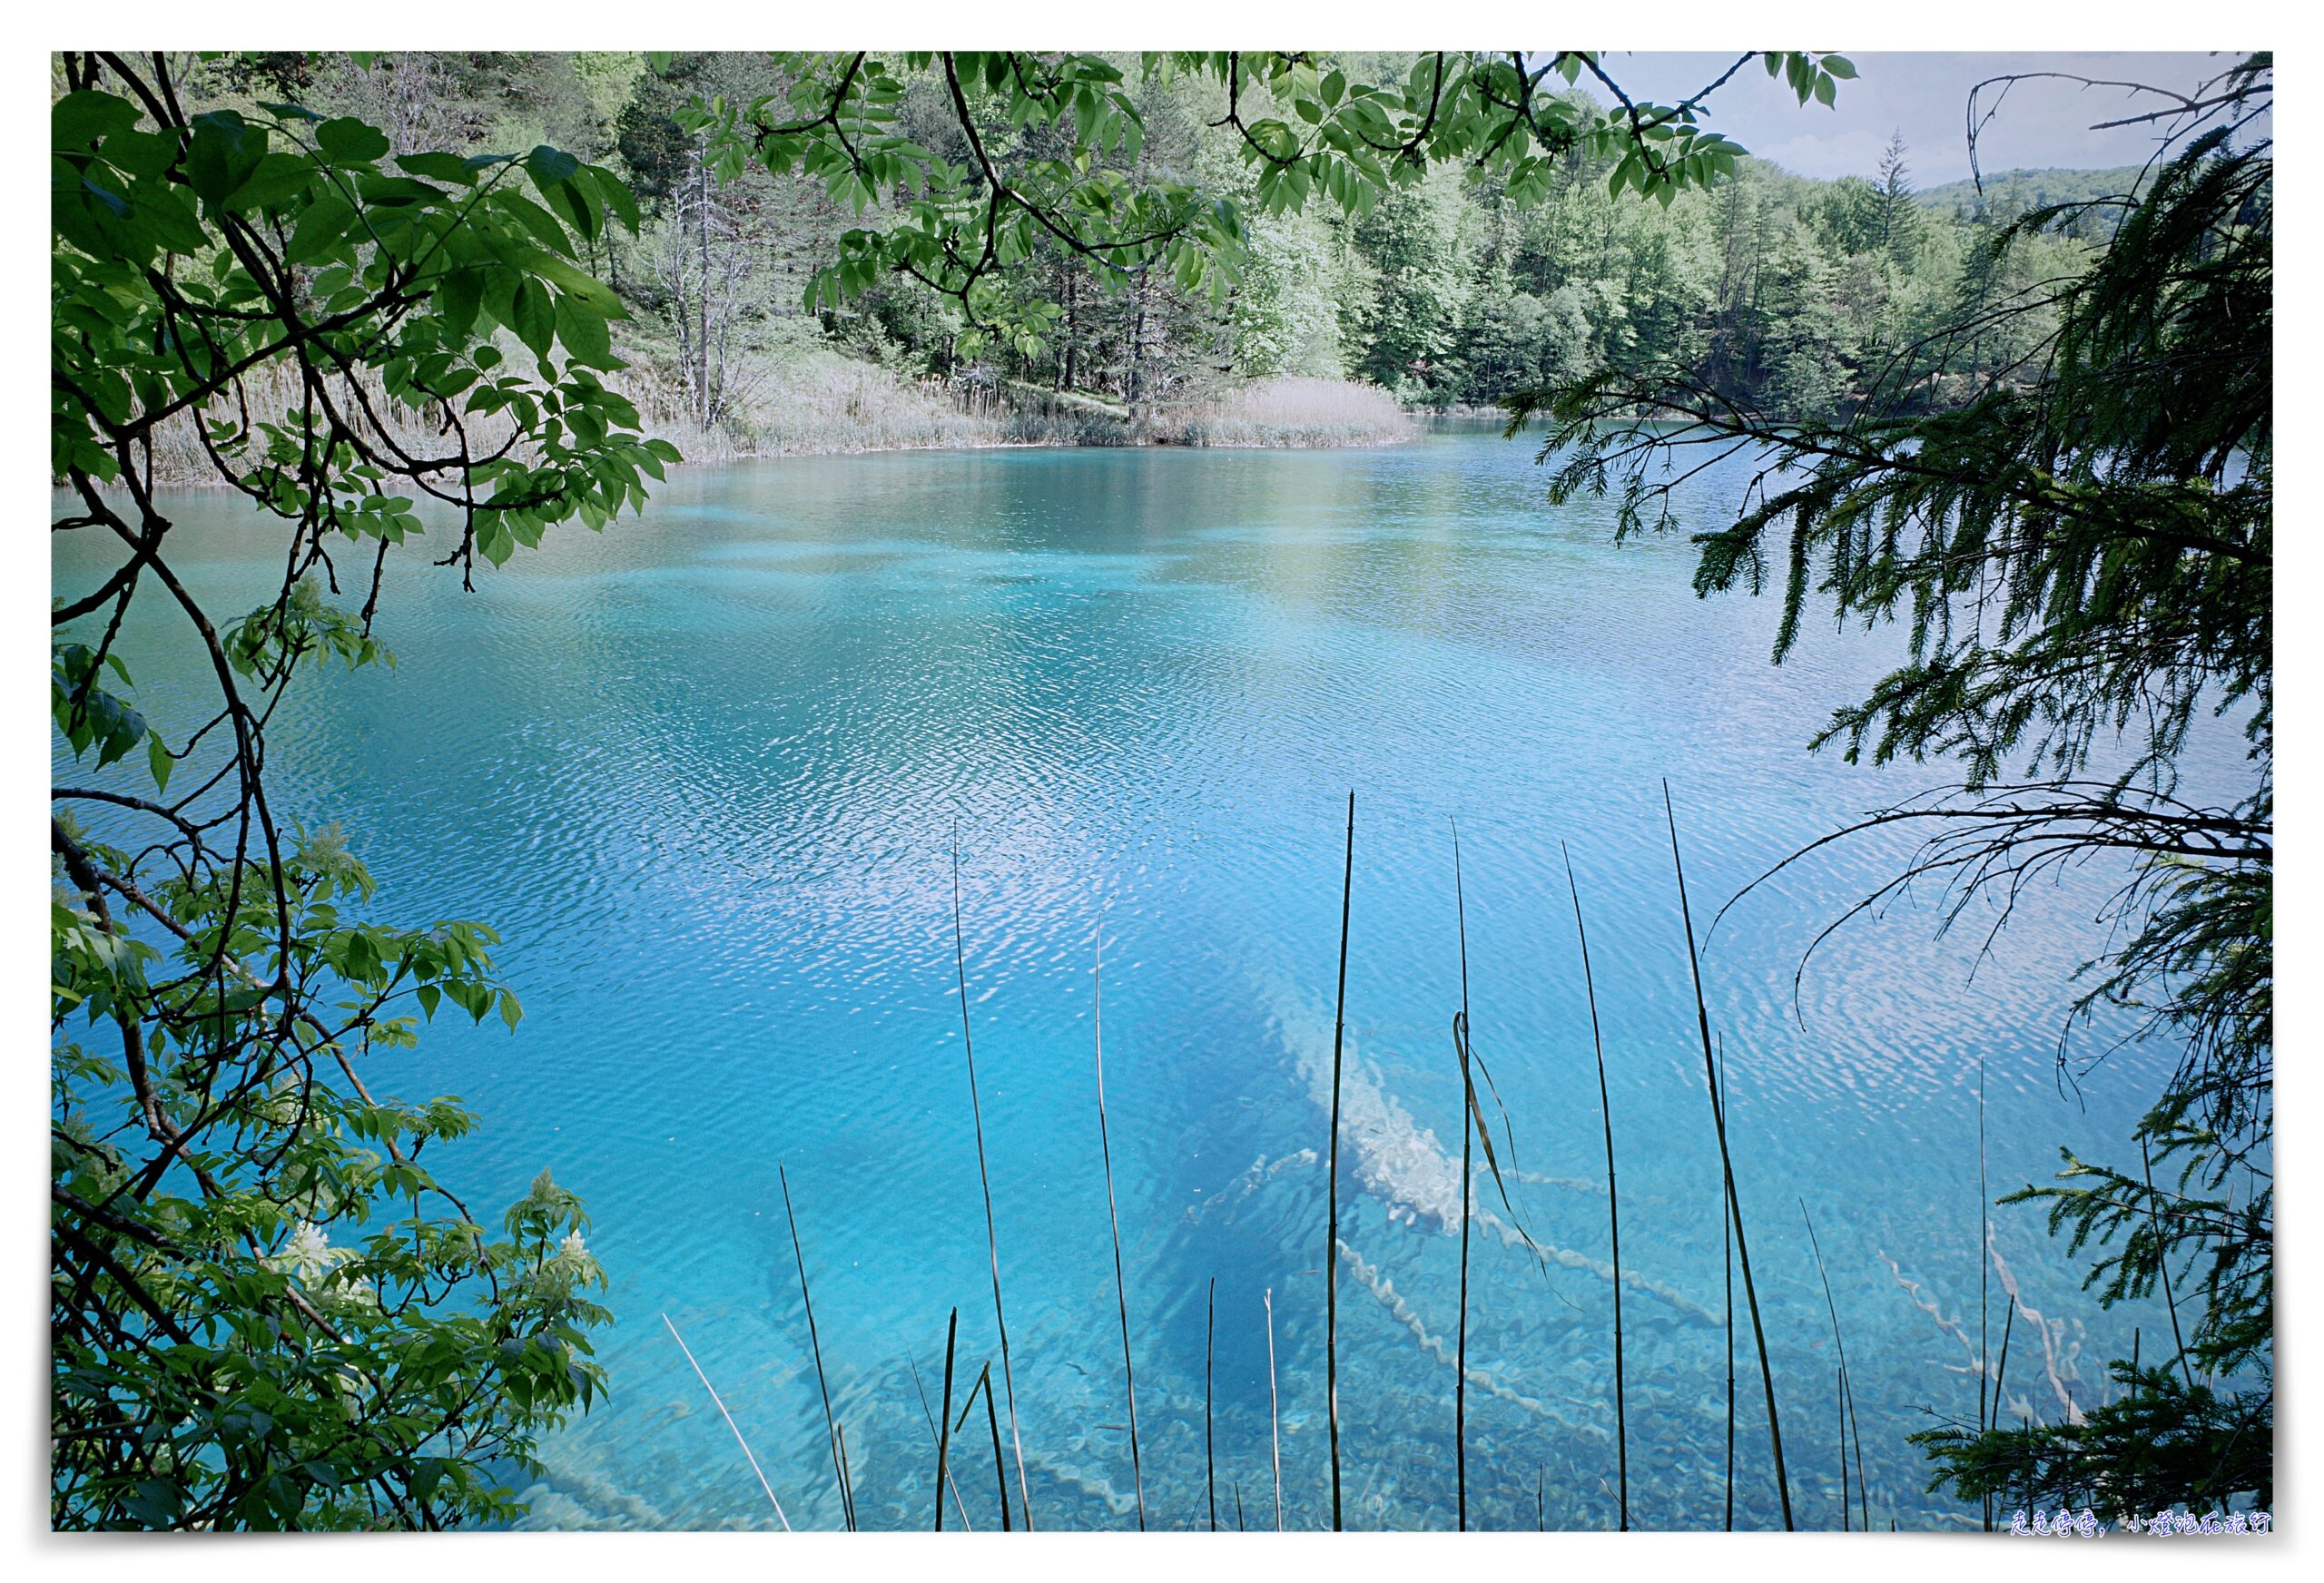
817	402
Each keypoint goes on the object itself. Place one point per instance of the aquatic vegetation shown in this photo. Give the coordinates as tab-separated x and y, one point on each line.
1113	1218
984	1179
814	1341
752	1457
1726	1166
1332	1157
1404	1169
1613	1194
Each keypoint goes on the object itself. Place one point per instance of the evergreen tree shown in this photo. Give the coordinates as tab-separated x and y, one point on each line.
2081	554
1899	216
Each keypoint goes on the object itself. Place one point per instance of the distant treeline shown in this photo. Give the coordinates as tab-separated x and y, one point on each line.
1796	296
2008	194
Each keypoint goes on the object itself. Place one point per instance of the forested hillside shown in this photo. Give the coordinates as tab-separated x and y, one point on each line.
2007	193
1789	294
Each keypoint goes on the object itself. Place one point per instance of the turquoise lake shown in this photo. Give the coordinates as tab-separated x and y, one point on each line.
704	772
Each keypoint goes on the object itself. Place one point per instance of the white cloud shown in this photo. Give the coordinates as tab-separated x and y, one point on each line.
1924	94
1845	153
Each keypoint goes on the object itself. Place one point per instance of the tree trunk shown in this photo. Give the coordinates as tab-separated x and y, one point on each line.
702	230
1136	383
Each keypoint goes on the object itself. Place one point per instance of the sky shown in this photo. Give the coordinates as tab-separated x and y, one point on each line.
1924	94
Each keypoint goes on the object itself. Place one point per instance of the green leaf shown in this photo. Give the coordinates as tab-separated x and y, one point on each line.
320	228
579	283
575	205
583	331
82	119
142	153
349	141
532	316
279	176
437	166
110	199
158	759
393	192
223	152
494	542
457	297
616	196
167	217
549	166
538	221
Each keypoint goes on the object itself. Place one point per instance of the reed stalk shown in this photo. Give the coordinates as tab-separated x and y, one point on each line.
1238	1507
1000	1473
1614	1199
1727	1268
830	1421
1113	1218
1210	1450
1984	1298
846	1478
1332	1212
1840	1348
944	1441
1863	1499
984	1178
1468	1132
929	1413
1727	1168
1840	1413
1274	1413
731	1426
992	1421
2001	1370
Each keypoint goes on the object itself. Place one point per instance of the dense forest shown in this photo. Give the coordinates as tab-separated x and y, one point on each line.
1793	296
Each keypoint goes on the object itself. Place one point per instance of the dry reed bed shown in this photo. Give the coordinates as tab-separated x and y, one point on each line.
1288	413
824	404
